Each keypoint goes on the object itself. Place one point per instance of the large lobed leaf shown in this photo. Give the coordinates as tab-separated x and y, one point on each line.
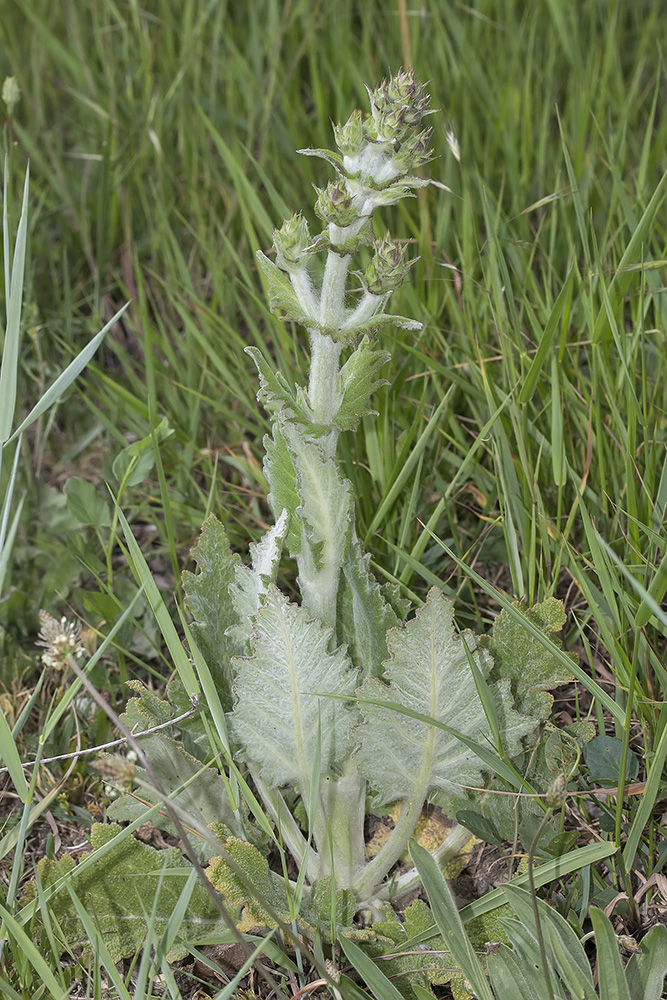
250	583
429	673
224	595
119	893
279	718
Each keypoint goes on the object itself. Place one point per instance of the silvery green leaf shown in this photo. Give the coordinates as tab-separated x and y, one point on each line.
428	672
281	477
358	380
250	583
335	159
208	599
278	716
283	299
275	392
205	799
376	323
364	616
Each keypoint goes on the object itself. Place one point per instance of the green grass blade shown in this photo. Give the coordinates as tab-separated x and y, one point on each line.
145	579
533	373
99	945
14	299
613	985
544	640
648	800
66	378
230	989
10	755
39	964
381	987
632	254
574	861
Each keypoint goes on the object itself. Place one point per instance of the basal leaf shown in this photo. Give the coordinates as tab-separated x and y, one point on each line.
277	713
603	759
428	672
119	893
554	753
613	984
430	962
264	894
532	670
261	891
208	599
203	800
646	973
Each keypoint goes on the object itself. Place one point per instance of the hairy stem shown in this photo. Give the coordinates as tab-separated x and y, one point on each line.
324	395
389	854
341	812
332	298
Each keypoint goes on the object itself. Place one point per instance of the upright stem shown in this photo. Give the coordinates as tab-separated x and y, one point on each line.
332	300
323	392
339	821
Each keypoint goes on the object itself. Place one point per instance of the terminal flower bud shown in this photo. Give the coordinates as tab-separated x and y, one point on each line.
398	105
414	151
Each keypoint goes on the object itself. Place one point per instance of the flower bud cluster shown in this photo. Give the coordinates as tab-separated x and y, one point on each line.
374	162
388	269
335	204
389	144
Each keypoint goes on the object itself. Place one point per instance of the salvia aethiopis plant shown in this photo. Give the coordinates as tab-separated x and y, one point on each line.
346	701
332	698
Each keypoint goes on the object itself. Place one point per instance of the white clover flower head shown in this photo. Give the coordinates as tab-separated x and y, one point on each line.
60	639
